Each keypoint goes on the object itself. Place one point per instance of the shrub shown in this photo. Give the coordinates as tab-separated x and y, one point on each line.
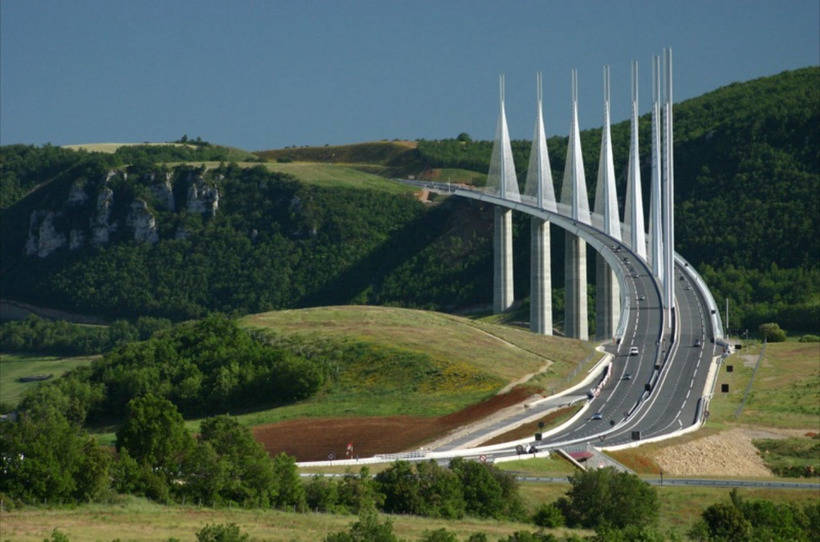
809	339
548	515
221	532
771	332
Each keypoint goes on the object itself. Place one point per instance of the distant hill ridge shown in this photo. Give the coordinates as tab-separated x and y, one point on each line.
747	215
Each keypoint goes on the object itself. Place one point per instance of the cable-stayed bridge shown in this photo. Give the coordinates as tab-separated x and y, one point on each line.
660	323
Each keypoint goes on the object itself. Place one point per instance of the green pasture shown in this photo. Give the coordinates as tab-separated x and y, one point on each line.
785	392
15	366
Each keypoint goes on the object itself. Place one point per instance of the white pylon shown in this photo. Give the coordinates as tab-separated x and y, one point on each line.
607	293
668	185
606	198
501	178
539	191
573	186
538	187
633	211
656	256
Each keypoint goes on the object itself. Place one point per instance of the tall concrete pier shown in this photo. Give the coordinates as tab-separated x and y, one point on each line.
607	293
538	191
540	277
502	260
574	195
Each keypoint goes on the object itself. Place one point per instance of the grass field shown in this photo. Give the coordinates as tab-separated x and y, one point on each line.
111	148
455	176
15	366
785	392
505	352
321	174
680	507
464	362
140	520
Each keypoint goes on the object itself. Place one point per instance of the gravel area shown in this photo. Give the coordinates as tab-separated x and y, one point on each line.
729	453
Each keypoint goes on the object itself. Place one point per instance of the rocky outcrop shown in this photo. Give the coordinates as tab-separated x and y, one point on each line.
77	194
76	239
143	222
202	198
92	203
164	193
43	237
101	229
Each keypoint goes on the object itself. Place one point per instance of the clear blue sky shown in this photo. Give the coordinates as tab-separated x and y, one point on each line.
266	74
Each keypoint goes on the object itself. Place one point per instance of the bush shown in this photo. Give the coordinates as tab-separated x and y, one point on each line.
606	497
367	529
439	535
548	515
771	332
809	339
222	532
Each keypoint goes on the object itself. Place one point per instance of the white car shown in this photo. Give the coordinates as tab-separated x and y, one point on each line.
633	351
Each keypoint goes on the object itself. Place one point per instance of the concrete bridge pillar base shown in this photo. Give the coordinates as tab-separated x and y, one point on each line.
540	277
575	283
502	260
607	299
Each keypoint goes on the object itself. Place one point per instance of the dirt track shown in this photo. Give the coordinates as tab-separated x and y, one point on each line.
312	439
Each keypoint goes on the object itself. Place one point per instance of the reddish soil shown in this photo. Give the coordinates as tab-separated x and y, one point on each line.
313	438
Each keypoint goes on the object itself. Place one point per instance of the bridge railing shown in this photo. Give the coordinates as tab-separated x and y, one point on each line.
714	316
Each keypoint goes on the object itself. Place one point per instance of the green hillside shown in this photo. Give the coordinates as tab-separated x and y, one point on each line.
178	240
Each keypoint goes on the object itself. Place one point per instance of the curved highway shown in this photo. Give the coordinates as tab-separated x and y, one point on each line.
656	391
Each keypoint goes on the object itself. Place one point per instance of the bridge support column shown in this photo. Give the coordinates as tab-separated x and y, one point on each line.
607	299
575	284
540	277
502	260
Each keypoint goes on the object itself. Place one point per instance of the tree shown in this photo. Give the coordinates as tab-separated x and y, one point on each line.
400	487
439	535
548	515
154	434
771	332
221	532
290	490
724	522
608	497
464	137
483	495
359	492
367	529
46	458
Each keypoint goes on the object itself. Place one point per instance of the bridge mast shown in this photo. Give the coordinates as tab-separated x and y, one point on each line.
607	300
574	194
656	255
633	212
668	188
502	180
538	190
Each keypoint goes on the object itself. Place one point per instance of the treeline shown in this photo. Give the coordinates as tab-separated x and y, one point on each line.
47	458
788	297
205	367
23	167
62	338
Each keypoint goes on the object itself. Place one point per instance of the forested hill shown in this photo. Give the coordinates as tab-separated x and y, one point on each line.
133	234
747	170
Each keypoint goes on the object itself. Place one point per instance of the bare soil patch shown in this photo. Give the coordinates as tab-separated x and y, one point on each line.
729	453
313	438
